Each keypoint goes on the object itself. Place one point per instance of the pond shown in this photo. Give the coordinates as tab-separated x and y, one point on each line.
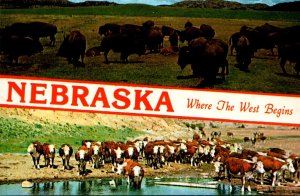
103	187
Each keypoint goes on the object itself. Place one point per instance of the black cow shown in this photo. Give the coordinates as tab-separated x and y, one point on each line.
289	52
123	43
73	47
205	59
35	30
16	46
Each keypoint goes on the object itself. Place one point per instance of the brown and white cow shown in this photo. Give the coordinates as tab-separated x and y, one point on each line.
49	154
275	166
244	169
134	172
82	156
66	152
35	149
96	154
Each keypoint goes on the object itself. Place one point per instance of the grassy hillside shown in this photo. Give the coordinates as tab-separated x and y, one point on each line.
16	134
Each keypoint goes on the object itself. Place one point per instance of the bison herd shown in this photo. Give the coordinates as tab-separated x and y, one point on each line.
203	52
229	159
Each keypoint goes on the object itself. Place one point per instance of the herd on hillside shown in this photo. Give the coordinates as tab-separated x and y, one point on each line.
229	159
204	53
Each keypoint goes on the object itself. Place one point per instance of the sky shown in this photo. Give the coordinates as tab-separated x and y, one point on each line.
168	2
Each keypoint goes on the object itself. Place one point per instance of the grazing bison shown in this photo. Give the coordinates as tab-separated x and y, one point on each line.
35	149
153	38
123	43
16	46
205	58
289	52
73	47
35	30
65	152
244	53
109	29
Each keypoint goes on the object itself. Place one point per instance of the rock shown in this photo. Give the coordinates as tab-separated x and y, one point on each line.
27	184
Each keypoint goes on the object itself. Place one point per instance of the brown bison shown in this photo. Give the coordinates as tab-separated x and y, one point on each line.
35	30
16	46
289	52
244	53
123	43
73	47
205	57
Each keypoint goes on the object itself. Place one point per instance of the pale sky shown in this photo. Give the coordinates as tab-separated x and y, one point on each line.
168	2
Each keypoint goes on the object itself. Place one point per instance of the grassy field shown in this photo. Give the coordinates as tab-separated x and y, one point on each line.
16	134
152	69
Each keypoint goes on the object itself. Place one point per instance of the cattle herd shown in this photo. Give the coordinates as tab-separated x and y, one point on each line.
229	159
205	53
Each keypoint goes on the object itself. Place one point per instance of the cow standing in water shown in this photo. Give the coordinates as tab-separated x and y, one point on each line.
35	149
134	172
65	152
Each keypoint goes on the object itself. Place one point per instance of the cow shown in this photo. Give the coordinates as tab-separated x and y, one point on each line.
247	139
244	52
275	166
244	169
34	30
229	134
16	46
49	154
289	52
131	152
96	154
73	47
82	156
35	149
123	43
205	59
134	172
94	51
65	152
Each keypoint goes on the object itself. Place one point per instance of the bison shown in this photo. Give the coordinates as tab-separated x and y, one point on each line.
35	30
244	53
123	43
73	47
205	57
16	46
289	52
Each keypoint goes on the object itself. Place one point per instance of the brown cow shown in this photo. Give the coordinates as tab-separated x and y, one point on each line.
82	156
134	172
65	152
35	149
244	169
275	166
49	154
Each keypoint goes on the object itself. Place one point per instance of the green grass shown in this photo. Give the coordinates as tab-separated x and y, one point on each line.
16	135
157	11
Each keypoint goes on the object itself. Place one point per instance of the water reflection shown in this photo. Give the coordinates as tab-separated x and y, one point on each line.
102	186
